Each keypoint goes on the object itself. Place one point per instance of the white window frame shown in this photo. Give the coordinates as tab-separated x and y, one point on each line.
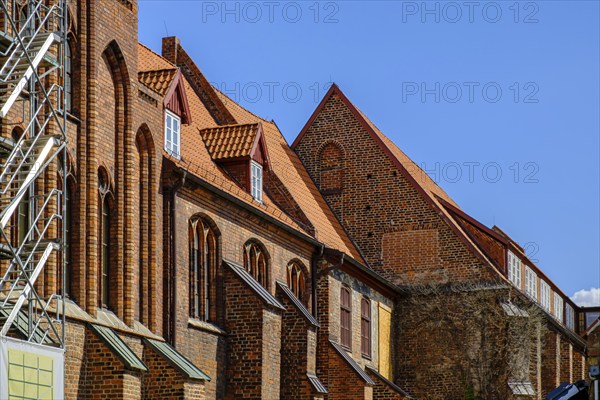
558	307
531	285
570	317
545	295
172	134
514	269
256	180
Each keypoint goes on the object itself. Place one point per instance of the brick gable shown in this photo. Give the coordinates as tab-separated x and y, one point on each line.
403	226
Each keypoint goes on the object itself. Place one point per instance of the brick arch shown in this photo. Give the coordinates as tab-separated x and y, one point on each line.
67	182
257	261
331	167
211	223
307	282
214	289
71	85
71	17
106	197
125	187
145	279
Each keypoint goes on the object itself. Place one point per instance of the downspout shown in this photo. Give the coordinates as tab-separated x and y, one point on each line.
172	259
314	270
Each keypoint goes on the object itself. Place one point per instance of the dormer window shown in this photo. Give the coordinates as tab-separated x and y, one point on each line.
172	134
169	84
241	150
256	180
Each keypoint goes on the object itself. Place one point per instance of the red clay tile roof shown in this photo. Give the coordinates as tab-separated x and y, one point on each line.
158	81
230	141
148	60
196	159
288	167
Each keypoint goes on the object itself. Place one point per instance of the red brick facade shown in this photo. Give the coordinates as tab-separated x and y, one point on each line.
140	265
417	237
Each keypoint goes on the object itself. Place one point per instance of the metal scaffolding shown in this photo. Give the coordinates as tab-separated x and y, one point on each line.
33	40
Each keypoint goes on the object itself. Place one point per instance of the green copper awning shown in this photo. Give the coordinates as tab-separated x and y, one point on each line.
176	359
118	347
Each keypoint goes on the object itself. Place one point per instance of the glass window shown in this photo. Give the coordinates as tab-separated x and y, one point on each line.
345	318
203	260
590	317
296	280
105	227
255	262
531	285
558	307
545	295
172	134
514	269
256	175
365	327
570	316
68	76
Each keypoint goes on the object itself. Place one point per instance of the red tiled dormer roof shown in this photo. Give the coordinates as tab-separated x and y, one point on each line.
164	79
232	141
158	81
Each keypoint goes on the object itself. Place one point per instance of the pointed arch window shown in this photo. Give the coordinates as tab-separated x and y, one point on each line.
68	190
68	75
203	266
68	218
105	239
256	262
21	216
296	280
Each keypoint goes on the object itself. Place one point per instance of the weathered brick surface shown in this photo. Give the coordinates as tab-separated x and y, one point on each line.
75	361
164	382
105	375
298	353
254	355
342	381
382	390
550	365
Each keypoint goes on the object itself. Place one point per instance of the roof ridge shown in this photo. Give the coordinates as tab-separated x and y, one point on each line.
148	71
156	54
228	126
241	106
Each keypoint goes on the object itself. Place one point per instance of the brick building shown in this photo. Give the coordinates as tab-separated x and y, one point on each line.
207	259
476	318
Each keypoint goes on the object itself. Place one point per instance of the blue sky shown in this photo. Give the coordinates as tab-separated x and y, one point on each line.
498	101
